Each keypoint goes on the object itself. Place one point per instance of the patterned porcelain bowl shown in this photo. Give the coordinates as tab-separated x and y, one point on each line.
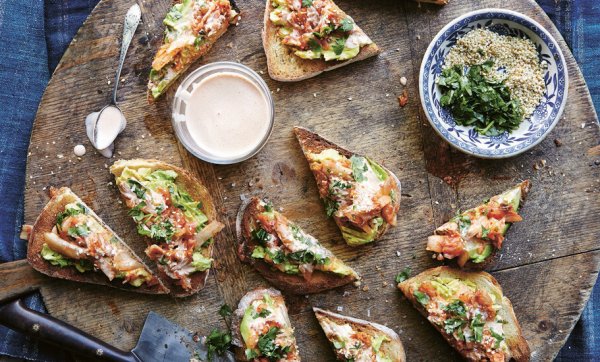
532	130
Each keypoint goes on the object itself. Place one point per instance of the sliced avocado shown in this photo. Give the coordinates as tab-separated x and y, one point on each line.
328	154
355	237
381	173
447	287
476	257
275	16
245	330
338	267
200	262
349	53
308	54
377	341
512	197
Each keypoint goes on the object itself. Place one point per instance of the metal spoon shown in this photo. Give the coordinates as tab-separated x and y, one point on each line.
103	127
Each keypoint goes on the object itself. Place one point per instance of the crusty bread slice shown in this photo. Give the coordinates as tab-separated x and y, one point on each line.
186	181
394	349
519	349
46	221
314	143
285	66
289	283
238	315
198	52
525	186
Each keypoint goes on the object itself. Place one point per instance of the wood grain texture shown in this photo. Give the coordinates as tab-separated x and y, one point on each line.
549	263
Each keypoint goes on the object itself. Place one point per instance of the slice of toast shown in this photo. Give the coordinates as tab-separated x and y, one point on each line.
212	17
255	327
462	240
316	282
313	143
285	66
384	342
487	287
198	192
45	223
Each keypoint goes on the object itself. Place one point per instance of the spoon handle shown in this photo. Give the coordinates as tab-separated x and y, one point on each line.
132	20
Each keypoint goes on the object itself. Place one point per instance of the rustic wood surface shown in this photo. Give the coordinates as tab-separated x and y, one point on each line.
548	266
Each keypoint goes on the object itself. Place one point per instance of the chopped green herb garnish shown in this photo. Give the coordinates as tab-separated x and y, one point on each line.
477	327
268	348
421	297
263	313
261	235
331	206
359	167
217	342
347	25
476	101
499	338
403	275
338	46
452	324
79	230
457	308
225	311
307	3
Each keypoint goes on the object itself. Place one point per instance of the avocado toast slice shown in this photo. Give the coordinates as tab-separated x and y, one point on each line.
470	311
261	328
362	196
473	237
69	241
284	254
176	214
191	29
305	38
355	339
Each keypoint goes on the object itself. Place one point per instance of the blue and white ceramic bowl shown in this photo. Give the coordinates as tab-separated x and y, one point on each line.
531	131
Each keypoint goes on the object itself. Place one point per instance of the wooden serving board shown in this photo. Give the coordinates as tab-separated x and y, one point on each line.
550	260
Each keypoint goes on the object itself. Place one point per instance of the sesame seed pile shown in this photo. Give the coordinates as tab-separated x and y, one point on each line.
516	59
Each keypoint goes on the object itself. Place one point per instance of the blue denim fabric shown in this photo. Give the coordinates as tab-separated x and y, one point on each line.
33	37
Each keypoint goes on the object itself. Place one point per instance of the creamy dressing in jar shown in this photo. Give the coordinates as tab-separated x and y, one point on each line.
223	113
227	115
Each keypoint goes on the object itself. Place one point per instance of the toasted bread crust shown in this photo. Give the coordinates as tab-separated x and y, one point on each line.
517	344
46	221
198	191
395	349
311	142
285	66
293	284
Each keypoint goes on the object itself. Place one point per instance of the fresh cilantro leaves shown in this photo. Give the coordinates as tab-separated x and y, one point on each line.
421	297
79	230
217	342
499	338
452	324
338	46
457	308
262	314
260	235
136	187
307	3
359	167
225	311
475	101
347	25
314	45
268	348
477	327
69	211
403	275
331	206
